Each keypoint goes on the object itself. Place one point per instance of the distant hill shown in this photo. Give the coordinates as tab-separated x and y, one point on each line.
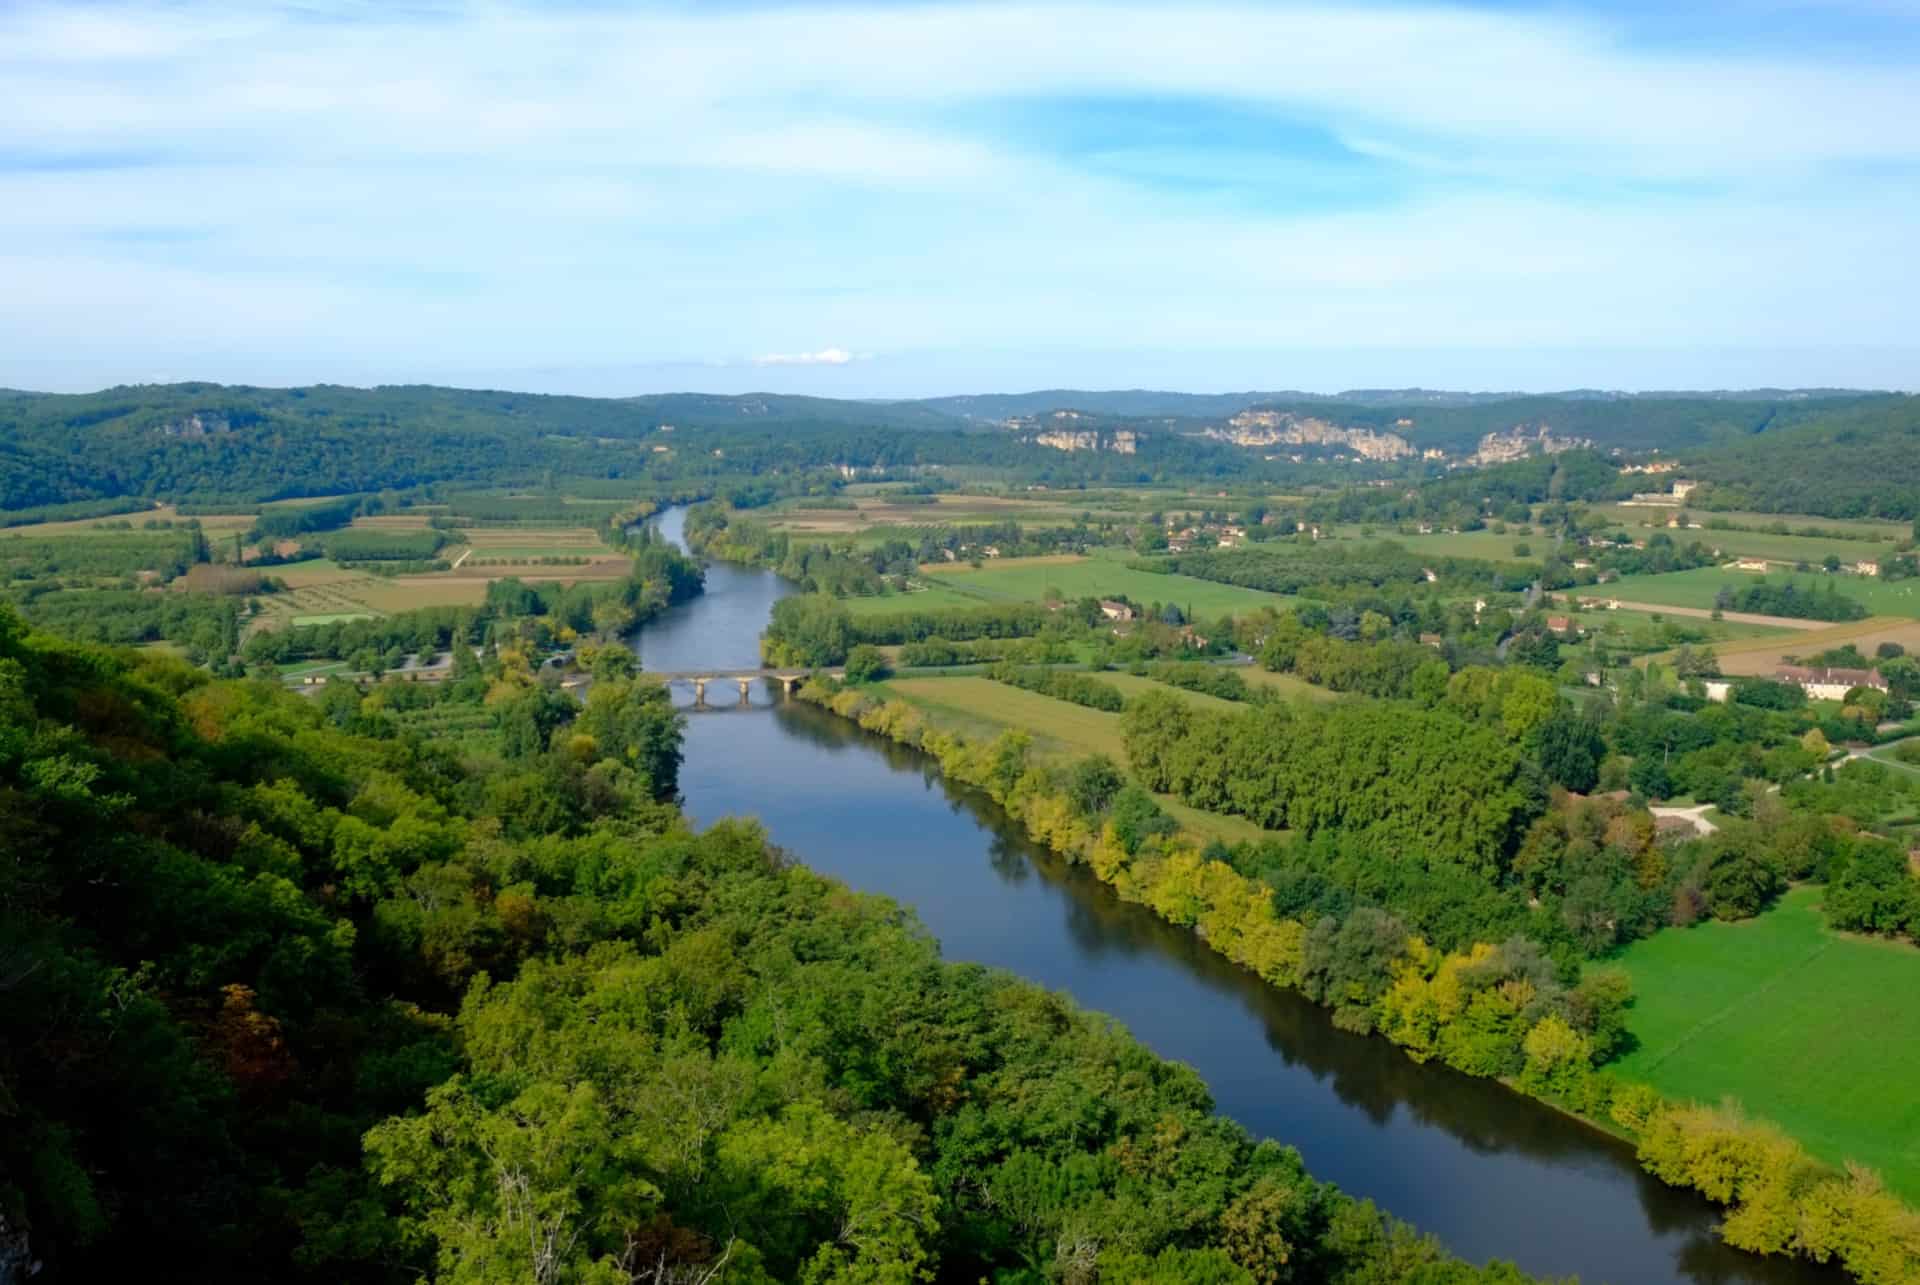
1810	450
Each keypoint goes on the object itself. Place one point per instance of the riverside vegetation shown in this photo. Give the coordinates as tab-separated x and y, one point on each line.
295	992
1486	1007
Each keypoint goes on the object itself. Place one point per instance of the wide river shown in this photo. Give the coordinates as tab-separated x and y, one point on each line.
1493	1174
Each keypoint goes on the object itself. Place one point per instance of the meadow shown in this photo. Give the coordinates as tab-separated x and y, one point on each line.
1697	589
1806	1028
1102	575
1869	530
980	709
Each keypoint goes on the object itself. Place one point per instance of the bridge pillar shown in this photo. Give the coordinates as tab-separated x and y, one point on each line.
746	688
699	690
786	683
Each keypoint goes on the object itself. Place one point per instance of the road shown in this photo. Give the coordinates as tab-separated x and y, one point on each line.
1739	617
1696	815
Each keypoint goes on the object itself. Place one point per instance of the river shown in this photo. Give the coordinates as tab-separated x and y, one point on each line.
1492	1173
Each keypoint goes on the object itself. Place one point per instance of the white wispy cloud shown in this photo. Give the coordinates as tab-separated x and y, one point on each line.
824	357
198	184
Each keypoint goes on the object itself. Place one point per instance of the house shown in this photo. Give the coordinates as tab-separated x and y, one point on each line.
1431	640
1719	689
1683	489
1115	610
1751	564
1829	684
1866	568
1582	564
1560	624
1428	572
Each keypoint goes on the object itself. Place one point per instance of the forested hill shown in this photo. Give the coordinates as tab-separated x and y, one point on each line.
205	443
289	993
1858	460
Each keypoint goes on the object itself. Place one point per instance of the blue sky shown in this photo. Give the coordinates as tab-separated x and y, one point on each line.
901	199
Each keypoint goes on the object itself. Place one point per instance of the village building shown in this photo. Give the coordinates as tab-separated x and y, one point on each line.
1750	564
1115	610
1829	684
1866	568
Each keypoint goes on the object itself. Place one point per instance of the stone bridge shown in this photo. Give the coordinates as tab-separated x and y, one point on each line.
698	679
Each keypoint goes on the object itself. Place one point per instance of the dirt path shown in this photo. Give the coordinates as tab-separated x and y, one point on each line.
462	558
1696	815
1739	617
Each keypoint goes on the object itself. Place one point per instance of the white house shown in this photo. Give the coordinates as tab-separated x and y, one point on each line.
1829	684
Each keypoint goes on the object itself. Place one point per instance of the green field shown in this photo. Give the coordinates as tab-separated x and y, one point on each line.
936	597
333	617
980	709
1285	684
1463	544
1632	516
1812	1030
1697	589
1103	575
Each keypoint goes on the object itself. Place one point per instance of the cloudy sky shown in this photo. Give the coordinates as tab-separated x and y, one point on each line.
905	198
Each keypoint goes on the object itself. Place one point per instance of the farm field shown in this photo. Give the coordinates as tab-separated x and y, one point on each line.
1132	685
936	597
1804	1027
213	524
1697	589
1632	516
1764	655
1287	684
331	617
980	709
1104	574
1463	544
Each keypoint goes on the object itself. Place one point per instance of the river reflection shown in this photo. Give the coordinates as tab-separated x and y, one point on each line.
1492	1173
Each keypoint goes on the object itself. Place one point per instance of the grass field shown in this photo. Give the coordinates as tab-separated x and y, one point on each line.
1634	516
1764	655
1462	544
1287	684
933	598
213	524
980	709
332	617
1105	574
1812	1030
1697	589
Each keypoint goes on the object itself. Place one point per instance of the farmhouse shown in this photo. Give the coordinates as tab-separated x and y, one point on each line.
1751	564
1115	610
1866	568
1829	684
1560	624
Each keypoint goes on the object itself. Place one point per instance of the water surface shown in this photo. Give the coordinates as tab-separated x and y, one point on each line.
1493	1174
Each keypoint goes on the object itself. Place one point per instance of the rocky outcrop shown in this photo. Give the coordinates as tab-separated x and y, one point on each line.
196	425
1121	441
1284	428
1522	440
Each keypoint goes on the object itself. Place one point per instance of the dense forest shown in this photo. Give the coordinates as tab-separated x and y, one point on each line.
293	993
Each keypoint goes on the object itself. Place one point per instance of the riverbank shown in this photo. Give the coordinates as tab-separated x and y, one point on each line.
1780	1201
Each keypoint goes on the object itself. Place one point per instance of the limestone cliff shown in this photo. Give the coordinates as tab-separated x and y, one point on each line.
1284	428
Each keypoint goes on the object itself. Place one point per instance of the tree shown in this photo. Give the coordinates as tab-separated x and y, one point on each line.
1570	750
633	722
866	664
1095	781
